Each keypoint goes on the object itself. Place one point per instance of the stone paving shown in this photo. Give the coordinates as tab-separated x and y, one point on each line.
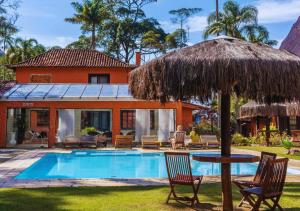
12	167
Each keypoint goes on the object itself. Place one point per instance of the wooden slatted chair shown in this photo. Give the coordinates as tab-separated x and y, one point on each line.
271	187
122	141
180	173
149	141
260	172
178	140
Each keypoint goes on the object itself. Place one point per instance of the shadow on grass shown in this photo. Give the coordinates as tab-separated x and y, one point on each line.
122	198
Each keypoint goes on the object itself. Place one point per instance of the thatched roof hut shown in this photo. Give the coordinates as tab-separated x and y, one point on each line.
223	65
253	109
256	71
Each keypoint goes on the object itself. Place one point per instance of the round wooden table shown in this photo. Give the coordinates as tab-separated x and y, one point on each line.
226	174
233	158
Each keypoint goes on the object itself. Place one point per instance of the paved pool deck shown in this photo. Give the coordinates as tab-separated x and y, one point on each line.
22	159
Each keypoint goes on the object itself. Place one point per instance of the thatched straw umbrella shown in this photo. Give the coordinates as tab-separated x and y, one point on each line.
223	65
253	109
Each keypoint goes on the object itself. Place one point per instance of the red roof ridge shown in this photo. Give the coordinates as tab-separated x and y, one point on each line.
72	58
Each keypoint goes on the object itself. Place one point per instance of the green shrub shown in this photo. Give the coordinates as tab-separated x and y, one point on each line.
88	130
258	139
204	128
240	140
287	144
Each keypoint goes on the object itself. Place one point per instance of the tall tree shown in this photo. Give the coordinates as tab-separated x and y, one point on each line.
231	20
24	49
8	29
258	34
129	30
181	17
239	22
90	14
83	42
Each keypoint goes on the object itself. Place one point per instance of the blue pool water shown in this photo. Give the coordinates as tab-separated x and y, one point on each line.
118	164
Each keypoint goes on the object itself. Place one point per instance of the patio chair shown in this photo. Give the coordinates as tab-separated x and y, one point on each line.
178	140
122	141
259	175
149	141
180	173
196	143
71	141
211	141
271	188
88	140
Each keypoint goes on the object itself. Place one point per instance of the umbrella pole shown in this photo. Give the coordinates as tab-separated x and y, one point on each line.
226	151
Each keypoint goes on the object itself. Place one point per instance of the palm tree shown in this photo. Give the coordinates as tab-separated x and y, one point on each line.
239	22
23	49
231	20
258	34
91	14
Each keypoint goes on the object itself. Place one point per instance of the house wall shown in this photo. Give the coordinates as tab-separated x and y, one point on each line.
183	115
187	117
71	74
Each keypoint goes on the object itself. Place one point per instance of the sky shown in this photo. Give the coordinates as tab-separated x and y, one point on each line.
44	19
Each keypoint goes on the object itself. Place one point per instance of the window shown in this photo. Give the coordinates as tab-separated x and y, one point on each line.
42	119
128	120
293	123
97	119
152	119
99	79
40	78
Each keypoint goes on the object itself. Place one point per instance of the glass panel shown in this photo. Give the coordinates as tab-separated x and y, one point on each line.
75	91
92	90
109	91
6	94
23	91
57	91
40	91
123	91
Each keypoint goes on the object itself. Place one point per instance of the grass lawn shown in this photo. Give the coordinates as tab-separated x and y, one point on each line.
280	151
121	198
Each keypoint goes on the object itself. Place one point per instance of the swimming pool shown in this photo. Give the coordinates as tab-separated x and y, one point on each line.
118	164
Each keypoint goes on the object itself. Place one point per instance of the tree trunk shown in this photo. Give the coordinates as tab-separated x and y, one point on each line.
226	151
268	133
93	44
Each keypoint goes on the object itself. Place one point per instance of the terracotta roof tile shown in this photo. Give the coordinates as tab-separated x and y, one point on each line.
72	58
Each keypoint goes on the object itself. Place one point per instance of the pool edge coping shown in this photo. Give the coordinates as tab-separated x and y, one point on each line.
12	167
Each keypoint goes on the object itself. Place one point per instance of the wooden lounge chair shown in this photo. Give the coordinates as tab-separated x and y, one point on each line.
211	141
271	187
178	140
71	141
196	144
88	141
122	141
260	172
150	142
180	173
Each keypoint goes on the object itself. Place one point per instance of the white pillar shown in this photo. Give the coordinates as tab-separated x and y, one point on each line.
165	123
142	123
66	123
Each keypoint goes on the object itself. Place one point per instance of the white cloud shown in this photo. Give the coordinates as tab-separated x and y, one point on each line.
279	43
49	41
197	23
168	26
275	11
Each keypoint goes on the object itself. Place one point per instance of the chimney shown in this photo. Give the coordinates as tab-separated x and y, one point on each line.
138	58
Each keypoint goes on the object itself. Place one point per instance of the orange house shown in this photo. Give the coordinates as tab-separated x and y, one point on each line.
64	92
